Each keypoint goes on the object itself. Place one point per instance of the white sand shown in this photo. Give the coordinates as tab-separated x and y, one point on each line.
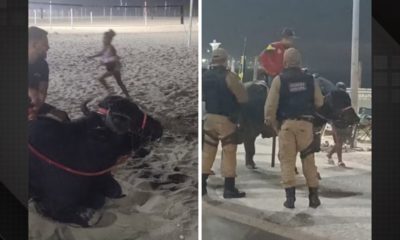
161	75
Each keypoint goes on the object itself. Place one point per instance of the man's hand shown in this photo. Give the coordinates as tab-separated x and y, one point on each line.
32	113
273	124
36	100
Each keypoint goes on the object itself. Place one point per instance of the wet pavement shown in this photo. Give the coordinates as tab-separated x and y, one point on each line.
345	213
218	228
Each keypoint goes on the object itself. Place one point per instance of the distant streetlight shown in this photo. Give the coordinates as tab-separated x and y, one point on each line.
214	45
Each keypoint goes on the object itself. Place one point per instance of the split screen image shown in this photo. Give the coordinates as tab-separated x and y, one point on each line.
187	119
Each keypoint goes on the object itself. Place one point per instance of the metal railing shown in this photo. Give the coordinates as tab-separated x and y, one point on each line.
57	14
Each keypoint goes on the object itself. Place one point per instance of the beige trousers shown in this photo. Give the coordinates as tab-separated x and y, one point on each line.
295	136
216	128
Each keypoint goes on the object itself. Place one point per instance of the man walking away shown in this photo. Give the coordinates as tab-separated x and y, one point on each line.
289	108
223	94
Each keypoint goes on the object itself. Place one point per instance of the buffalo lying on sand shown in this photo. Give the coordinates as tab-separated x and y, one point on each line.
252	115
70	162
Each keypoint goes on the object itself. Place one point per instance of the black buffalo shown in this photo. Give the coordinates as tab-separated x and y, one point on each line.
89	144
252	114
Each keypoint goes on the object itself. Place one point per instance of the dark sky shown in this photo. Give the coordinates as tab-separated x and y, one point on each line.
324	27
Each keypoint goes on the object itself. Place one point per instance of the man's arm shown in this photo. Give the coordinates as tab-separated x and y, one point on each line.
42	90
318	97
272	103
36	100
237	87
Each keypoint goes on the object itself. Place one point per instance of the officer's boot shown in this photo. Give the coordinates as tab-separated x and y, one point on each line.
290	197
230	191
204	178
313	197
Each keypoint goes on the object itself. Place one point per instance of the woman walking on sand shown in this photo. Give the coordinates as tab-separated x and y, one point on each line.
110	60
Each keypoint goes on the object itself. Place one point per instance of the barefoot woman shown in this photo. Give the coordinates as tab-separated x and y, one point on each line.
110	60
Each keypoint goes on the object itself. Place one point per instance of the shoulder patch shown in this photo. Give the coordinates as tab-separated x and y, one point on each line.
297	87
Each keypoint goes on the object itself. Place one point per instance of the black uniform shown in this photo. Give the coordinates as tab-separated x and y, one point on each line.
296	95
218	97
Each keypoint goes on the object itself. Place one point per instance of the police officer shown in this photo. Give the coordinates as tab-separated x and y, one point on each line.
289	108
223	93
271	58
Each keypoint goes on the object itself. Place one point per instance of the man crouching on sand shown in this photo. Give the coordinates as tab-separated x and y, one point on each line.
38	75
110	60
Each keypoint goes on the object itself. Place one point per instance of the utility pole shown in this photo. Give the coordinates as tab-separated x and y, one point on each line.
233	65
145	13
126	5
355	55
243	61
72	17
190	23
255	68
355	65
50	13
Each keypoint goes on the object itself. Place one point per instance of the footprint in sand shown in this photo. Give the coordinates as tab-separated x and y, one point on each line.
178	177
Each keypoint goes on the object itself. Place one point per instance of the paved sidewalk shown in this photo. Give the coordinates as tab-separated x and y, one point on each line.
345	213
218	228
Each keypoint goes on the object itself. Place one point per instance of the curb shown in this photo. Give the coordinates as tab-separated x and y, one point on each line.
253	218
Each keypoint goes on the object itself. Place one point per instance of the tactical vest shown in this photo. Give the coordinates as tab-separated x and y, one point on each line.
218	97
296	94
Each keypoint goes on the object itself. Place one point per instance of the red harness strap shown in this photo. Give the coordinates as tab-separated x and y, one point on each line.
103	111
144	121
65	168
346	108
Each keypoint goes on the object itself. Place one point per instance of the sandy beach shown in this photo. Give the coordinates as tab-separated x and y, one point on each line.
160	72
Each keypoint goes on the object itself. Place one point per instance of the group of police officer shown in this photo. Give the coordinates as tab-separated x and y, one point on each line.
292	99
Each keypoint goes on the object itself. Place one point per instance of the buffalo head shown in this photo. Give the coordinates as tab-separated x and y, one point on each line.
122	116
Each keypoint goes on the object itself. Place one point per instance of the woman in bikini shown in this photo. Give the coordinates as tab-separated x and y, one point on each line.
111	61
